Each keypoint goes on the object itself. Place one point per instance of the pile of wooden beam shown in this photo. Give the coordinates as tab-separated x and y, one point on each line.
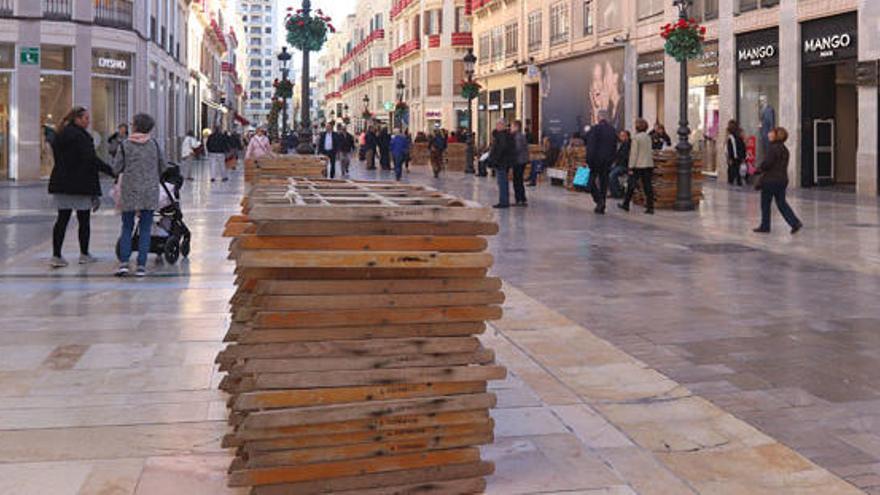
420	154
284	166
665	181
353	362
455	157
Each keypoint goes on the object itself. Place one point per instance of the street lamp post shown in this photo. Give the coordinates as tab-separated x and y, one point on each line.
366	101
469	61
400	94
684	200
284	59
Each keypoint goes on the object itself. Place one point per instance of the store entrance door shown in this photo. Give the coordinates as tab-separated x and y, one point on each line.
534	117
823	151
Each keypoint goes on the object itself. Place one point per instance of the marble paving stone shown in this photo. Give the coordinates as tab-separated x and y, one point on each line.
186	475
116	477
526	421
56	478
23	357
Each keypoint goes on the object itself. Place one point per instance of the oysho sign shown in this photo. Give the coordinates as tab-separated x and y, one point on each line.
112	64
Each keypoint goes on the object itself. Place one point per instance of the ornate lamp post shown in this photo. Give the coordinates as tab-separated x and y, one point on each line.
684	200
400	103
469	61
366	111
284	59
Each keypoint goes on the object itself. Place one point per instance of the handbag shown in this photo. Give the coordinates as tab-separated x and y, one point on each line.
581	177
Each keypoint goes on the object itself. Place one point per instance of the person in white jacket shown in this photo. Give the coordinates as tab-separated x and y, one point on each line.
259	145
188	154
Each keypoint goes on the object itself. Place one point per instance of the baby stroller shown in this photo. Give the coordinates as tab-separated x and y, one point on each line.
169	236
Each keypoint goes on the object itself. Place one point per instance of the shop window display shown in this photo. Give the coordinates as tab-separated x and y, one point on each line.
758	106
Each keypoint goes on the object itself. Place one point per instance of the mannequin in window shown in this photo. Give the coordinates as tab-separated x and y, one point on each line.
768	121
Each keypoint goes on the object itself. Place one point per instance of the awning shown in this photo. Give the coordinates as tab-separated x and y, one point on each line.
241	120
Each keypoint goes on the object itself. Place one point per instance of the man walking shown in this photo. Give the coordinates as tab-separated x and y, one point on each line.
346	147
501	155
601	148
217	146
329	145
371	142
521	146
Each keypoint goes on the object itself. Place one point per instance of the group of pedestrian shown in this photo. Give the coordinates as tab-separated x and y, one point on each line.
509	152
74	185
337	145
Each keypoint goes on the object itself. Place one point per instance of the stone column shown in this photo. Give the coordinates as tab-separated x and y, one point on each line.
82	66
868	161
630	86
26	137
726	79
790	85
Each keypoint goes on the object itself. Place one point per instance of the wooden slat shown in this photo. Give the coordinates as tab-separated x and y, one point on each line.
364	243
374	424
336	302
393	286
275	399
365	450
319	379
344	348
320	471
382	481
246	335
370	213
381	316
360	437
362	259
288	365
372	228
346	412
246	275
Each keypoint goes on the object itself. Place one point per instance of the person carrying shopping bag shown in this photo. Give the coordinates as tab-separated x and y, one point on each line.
139	165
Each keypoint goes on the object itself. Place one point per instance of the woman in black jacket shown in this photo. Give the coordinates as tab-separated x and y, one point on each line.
736	153
774	182
74	183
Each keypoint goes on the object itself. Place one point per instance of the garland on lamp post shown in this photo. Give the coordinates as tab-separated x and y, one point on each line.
308	32
470	89
283	88
366	115
277	104
684	39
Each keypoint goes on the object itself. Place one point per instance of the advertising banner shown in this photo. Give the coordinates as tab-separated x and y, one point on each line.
574	91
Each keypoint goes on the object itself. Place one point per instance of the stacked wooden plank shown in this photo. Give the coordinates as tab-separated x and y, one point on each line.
455	157
353	363
573	156
420	154
665	181
284	166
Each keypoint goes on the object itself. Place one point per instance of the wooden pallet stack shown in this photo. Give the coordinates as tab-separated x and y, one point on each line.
284	166
420	154
455	157
665	181
353	361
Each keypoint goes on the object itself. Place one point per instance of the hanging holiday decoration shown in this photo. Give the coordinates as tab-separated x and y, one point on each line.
308	32
470	89
283	88
684	39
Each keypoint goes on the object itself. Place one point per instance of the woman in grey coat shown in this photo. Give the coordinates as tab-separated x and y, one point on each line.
140	164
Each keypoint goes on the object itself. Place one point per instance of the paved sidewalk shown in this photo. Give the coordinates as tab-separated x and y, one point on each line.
108	386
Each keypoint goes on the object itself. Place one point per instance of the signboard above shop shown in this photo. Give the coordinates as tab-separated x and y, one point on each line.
649	67
757	49
830	39
111	63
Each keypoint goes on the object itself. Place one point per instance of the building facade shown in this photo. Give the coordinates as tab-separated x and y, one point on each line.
115	57
259	18
429	39
556	64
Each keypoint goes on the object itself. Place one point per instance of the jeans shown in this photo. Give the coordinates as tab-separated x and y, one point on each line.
614	181
503	189
218	165
83	218
599	185
519	187
398	166
733	173
643	175
537	168
776	191
146	222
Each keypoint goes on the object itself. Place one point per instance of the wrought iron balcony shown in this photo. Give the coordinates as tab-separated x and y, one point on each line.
6	7
57	9
113	13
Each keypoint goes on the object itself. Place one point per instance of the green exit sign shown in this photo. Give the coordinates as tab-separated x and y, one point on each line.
30	55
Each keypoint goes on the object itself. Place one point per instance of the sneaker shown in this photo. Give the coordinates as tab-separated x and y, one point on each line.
140	272
213	180
122	270
500	206
57	262
85	259
225	179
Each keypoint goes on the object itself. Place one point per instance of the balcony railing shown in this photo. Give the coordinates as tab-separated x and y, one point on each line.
403	50
6	7
57	9
462	39
113	13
